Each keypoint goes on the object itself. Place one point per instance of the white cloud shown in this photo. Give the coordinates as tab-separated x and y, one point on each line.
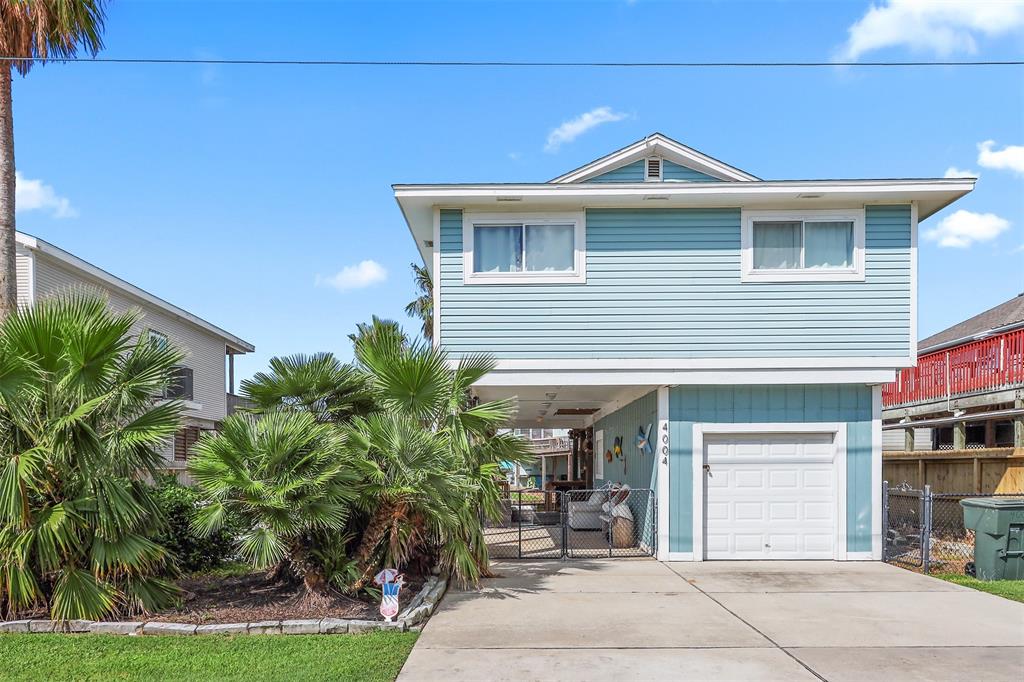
963	228
35	195
943	27
1010	157
515	156
954	172
366	273
574	127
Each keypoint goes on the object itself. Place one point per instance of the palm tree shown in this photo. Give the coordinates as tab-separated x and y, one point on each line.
289	482
30	30
438	454
320	384
422	306
78	430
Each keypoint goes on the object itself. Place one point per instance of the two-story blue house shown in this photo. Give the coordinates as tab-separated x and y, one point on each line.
751	322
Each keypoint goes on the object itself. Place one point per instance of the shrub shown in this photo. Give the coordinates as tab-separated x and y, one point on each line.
190	551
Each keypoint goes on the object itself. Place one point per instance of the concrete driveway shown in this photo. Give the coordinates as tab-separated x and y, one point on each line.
644	620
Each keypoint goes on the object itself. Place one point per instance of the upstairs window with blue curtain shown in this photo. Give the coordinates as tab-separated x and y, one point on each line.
781	246
530	249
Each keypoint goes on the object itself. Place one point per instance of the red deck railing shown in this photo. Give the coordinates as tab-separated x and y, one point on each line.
989	364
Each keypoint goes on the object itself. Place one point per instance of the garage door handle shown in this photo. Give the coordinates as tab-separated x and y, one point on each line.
707	470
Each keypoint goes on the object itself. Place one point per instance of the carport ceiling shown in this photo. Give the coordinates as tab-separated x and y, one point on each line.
539	405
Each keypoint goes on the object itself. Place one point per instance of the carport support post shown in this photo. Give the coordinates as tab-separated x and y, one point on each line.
908	440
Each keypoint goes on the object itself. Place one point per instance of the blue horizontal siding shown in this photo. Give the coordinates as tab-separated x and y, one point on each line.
631	172
770	404
634	172
665	283
673	171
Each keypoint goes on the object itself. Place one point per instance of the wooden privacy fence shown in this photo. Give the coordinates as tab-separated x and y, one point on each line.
989	364
981	471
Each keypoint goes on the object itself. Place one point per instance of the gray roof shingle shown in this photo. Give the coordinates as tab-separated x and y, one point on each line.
1004	314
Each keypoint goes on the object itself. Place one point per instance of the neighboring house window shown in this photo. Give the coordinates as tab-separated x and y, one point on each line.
181	386
184	439
157	339
503	249
794	246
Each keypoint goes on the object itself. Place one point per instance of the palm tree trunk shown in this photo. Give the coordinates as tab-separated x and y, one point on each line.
8	265
368	544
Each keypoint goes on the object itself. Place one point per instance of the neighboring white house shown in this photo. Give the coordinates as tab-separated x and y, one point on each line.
206	377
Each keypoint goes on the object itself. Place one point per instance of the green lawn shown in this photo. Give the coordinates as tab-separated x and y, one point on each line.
1010	589
371	656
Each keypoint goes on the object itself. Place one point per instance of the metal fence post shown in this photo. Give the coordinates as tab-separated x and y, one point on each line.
563	517
520	507
885	520
654	524
926	529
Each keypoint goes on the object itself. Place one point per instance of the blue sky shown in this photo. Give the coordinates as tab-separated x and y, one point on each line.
241	193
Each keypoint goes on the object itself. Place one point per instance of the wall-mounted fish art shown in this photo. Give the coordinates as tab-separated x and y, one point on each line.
643	440
617	446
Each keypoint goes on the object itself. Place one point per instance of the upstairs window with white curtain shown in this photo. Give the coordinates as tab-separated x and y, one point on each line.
521	249
789	246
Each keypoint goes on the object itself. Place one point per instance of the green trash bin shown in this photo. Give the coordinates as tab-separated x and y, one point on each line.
998	525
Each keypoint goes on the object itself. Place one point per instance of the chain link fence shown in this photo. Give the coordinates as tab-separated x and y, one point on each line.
575	524
925	530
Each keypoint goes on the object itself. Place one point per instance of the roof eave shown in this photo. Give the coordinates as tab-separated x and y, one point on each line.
71	260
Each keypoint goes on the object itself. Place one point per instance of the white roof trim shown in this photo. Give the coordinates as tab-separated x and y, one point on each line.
48	249
656	145
764	187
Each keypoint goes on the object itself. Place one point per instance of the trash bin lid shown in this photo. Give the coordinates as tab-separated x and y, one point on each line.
993	502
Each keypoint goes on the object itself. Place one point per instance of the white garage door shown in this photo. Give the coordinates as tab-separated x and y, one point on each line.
770	496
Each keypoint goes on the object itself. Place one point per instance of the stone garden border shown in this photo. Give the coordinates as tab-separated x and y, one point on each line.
412	618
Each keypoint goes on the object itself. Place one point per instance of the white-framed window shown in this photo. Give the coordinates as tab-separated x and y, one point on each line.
599	454
524	248
157	339
802	245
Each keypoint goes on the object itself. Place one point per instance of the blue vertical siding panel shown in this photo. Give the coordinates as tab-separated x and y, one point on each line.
634	469
849	403
665	283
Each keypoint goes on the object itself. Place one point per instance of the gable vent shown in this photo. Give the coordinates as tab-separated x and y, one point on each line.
653	172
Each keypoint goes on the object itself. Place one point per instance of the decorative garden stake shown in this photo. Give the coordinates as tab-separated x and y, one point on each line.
390	581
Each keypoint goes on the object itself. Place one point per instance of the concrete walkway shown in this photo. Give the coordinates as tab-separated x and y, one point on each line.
644	620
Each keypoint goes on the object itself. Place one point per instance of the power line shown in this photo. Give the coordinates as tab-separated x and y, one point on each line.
499	64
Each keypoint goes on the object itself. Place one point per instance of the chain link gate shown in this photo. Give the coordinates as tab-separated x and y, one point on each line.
575	524
926	530
904	519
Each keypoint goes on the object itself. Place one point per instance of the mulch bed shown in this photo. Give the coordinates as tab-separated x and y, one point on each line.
253	597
